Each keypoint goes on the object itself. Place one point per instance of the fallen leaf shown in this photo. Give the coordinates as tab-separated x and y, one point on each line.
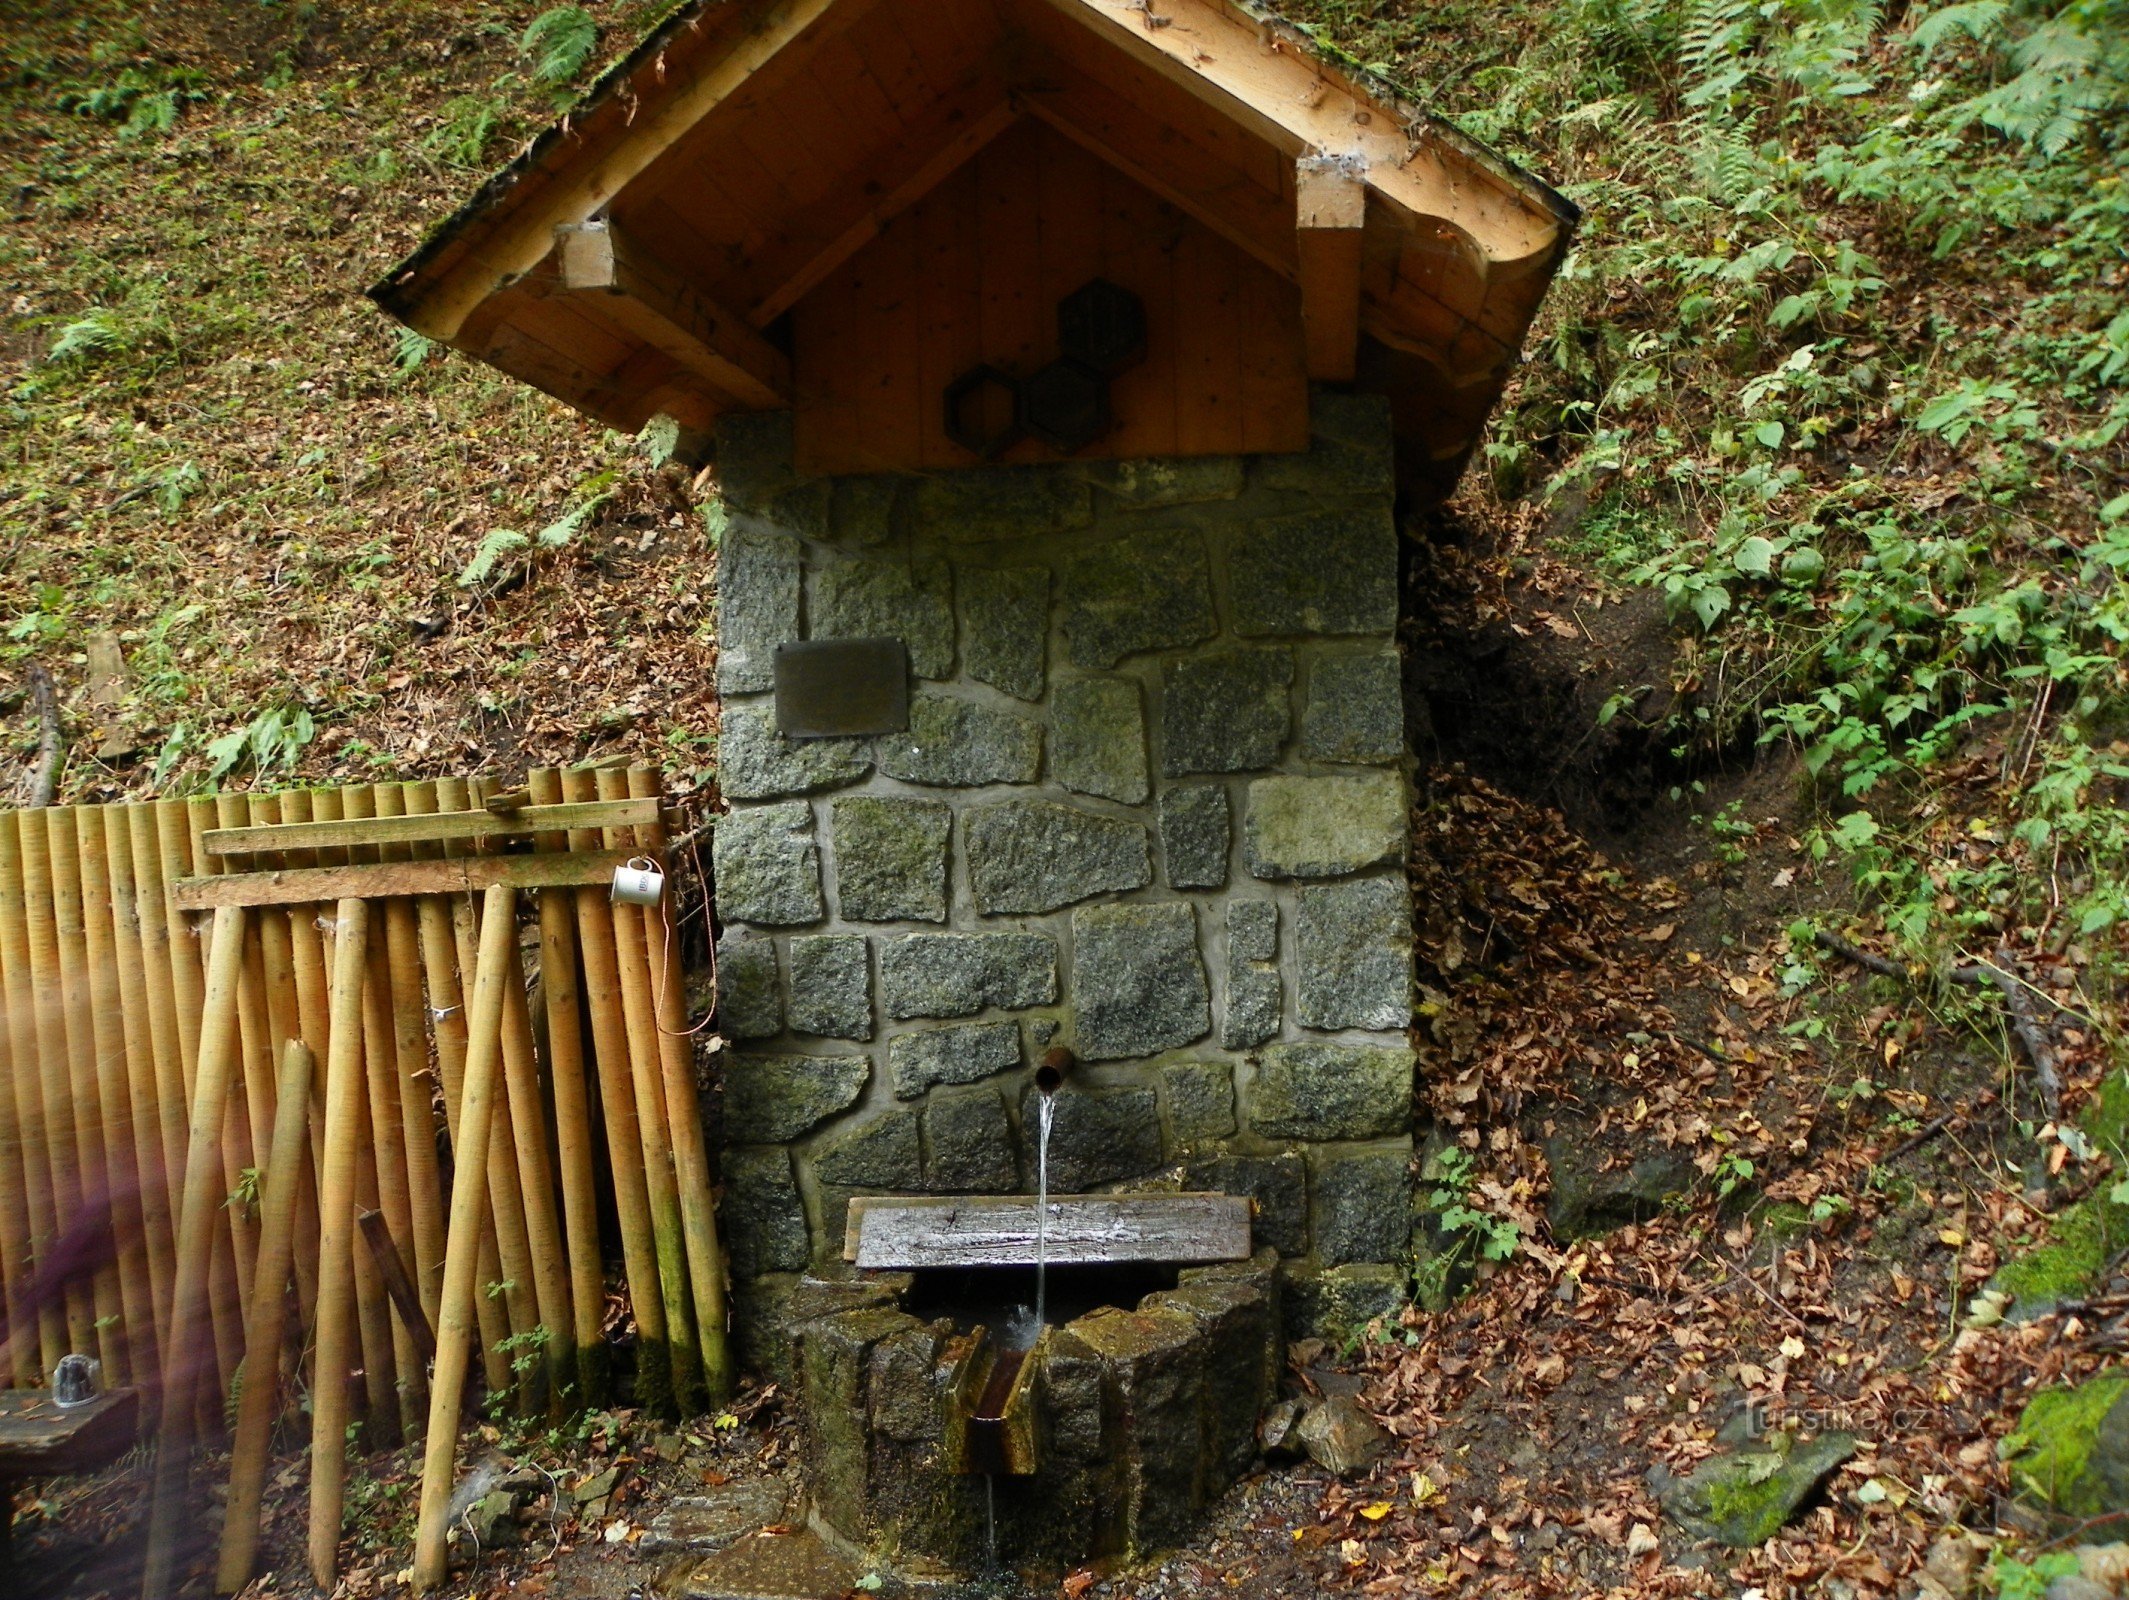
1641	1540
1377	1511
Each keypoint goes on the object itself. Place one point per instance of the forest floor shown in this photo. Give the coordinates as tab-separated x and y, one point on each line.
1781	603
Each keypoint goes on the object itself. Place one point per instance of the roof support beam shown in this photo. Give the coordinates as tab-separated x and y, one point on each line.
1330	214
657	305
1243	67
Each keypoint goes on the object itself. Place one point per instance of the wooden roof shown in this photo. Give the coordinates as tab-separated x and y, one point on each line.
644	254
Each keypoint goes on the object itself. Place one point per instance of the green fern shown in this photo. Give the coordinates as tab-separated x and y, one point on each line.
560	42
492	548
99	333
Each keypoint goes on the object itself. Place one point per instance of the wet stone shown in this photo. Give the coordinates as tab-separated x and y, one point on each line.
1240	1329
755	762
890	857
1355	709
958	974
748	1004
1255	996
754	458
1340	1437
768	866
875	599
1155	481
1350	451
1154	1365
1279	1186
711	1521
1355	942
1363	1206
1098	1136
757	606
831	986
1201	1100
764	1219
1005	623
795	1566
1324	827
771	1098
956	743
1225	710
1027	856
1152	592
880	1154
1323	572
968	1144
1195	831
964	1053
976	505
1138	985
1098	738
1331	1091
1338	1304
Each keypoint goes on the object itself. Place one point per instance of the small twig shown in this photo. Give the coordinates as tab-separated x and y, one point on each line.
1883	966
51	741
1922	1136
2025	1023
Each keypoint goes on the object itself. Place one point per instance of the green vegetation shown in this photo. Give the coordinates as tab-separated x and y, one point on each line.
2052	1447
1840	367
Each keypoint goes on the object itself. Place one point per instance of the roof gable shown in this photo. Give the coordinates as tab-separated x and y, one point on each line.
748	150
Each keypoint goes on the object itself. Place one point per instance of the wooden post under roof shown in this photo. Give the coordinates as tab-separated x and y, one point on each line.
1330	211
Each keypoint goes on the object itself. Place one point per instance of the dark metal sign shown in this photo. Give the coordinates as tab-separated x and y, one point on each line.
833	688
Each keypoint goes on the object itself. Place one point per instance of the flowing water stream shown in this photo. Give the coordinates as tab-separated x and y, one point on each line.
1044	1113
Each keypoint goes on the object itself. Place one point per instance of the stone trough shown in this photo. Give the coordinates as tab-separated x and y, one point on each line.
943	1436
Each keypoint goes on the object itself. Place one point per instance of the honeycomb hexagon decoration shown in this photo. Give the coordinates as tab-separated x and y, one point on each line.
1103	326
1065	405
974	402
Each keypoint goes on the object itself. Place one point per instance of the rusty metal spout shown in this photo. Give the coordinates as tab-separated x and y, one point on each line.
1056	1062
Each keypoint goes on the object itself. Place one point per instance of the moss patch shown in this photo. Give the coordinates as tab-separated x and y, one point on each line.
2085	1236
2053	1446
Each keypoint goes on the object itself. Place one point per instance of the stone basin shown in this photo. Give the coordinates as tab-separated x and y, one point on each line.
1137	1416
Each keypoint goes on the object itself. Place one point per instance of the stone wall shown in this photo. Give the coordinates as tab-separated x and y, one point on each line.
1151	804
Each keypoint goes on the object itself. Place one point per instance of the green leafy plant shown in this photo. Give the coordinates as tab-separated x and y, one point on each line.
270	743
559	43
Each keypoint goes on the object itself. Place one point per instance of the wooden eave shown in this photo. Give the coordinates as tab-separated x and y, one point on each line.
1438	255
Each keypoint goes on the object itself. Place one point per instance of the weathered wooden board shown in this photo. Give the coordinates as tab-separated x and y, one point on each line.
1084	1230
455	825
41	1439
387	879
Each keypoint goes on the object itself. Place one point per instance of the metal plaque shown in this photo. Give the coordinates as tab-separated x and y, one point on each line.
832	688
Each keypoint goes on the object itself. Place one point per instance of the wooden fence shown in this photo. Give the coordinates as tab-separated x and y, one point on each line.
235	1062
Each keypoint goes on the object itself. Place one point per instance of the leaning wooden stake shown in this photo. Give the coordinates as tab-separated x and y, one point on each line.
654	1121
20	989
344	1092
496	969
691	1162
189	1347
286	1161
572	1109
447	1017
655	1358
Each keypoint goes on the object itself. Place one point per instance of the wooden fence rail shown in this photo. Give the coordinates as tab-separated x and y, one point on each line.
173	972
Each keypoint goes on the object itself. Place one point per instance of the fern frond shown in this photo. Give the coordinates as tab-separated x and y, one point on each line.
1977	20
560	42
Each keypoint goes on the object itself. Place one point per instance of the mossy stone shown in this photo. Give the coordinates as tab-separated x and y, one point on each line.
2070	1449
1098	738
771	1098
890	856
955	743
1744	1500
2083	1238
1324	827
